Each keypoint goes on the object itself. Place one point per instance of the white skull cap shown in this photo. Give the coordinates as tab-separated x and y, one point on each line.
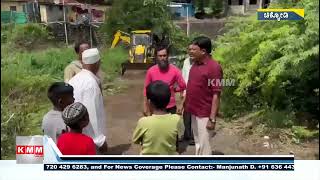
90	56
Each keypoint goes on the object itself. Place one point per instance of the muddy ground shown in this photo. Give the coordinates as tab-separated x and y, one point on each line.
124	108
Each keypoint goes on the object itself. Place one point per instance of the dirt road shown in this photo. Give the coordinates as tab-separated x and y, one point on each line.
125	108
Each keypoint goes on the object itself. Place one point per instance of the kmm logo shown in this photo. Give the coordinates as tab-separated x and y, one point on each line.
36	150
221	82
29	149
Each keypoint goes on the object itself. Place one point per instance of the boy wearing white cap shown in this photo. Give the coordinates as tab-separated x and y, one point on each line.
87	91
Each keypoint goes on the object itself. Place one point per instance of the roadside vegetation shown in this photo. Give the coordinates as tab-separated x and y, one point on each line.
275	66
31	60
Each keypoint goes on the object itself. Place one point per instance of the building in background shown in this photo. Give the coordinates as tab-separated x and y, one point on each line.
13	5
75	11
51	11
185	9
245	6
19	11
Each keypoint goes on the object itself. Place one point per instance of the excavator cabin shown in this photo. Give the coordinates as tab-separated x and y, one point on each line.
141	51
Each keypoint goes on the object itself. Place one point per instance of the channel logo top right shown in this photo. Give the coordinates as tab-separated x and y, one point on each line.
280	14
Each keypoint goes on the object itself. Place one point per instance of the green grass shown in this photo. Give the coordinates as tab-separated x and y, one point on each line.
302	133
25	77
111	61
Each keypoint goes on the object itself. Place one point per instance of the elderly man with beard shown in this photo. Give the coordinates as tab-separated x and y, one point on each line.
169	74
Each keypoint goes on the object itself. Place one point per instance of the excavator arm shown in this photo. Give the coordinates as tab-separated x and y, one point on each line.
119	35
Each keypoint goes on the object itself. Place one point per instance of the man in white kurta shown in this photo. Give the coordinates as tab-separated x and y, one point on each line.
87	91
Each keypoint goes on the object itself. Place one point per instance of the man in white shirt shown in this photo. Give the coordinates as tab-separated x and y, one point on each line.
188	135
87	91
76	66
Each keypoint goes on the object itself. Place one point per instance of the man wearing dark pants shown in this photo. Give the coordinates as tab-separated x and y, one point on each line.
188	135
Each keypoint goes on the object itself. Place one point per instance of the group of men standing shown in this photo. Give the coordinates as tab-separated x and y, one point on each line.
82	79
200	99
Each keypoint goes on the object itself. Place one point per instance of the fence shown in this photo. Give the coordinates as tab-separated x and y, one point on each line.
13	17
80	32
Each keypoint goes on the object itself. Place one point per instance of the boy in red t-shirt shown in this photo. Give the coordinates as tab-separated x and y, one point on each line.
76	117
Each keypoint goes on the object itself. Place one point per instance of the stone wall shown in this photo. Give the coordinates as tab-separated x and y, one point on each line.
236	9
210	28
75	33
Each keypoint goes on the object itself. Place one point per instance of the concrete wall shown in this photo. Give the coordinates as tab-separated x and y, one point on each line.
235	2
54	13
76	33
5	6
50	13
236	9
253	7
210	28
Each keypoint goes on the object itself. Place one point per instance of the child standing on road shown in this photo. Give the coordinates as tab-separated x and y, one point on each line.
158	134
60	95
76	117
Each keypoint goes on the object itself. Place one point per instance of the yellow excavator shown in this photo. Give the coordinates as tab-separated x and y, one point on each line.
141	49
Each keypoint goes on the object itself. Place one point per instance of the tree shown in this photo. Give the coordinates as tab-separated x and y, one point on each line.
216	7
128	15
275	64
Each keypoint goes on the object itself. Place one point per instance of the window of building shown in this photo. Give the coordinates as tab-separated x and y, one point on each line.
229	2
240	2
13	8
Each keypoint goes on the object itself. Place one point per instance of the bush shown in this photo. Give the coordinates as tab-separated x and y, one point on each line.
144	14
26	36
6	30
25	78
302	133
278	119
111	61
274	64
217	7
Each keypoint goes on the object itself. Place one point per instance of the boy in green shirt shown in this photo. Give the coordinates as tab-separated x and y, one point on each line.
158	134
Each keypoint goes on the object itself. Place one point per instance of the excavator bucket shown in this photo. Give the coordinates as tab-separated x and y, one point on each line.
136	66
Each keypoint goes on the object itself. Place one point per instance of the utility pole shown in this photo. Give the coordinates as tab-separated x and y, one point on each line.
188	25
90	27
65	22
34	11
